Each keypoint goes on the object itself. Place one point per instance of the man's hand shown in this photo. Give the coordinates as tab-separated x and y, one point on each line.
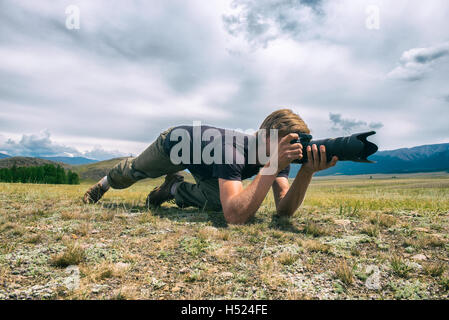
288	152
317	161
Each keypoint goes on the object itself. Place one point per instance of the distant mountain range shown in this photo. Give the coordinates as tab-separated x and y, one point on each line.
97	170
70	160
67	160
428	158
9	162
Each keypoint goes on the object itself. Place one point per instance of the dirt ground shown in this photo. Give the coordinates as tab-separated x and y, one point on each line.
352	239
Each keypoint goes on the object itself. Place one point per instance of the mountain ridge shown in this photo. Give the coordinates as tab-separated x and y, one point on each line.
29	162
70	160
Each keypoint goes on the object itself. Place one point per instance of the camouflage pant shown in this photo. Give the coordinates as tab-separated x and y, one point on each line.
154	162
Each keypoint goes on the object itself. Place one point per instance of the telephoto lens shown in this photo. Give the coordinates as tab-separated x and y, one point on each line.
352	148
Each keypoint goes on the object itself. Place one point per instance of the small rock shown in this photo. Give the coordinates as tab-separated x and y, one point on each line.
414	265
211	229
121	266
227	275
342	222
98	287
184	270
410	249
158	284
419	257
422	230
373	281
72	282
213	270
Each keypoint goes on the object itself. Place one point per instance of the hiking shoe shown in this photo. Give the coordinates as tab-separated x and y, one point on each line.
94	193
162	193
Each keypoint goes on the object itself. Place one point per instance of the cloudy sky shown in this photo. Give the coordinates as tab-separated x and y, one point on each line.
134	68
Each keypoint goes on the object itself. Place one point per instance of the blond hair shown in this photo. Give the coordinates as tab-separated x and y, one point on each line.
286	121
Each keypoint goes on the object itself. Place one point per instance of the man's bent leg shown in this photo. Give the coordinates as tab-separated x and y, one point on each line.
205	194
152	163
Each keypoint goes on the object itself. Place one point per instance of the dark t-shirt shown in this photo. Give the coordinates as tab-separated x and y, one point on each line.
202	154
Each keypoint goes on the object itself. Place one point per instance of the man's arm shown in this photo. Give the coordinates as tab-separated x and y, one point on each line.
288	199
240	204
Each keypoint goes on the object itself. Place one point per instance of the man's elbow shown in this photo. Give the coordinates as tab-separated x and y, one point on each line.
231	219
234	217
285	212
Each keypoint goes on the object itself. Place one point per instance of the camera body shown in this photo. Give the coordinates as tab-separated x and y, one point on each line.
351	148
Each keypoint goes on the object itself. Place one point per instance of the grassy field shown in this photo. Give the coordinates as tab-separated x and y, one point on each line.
355	238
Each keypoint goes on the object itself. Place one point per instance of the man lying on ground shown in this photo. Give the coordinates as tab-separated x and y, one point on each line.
219	164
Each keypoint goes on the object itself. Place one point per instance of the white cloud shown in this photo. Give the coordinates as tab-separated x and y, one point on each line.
41	145
416	63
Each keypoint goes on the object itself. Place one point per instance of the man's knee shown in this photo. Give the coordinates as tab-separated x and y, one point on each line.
213	201
214	206
121	175
201	195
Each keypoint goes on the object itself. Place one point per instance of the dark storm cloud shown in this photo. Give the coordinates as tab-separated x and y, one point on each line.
349	125
263	21
136	39
376	125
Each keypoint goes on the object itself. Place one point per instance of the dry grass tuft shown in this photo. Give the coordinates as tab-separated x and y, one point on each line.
73	255
224	235
82	229
147	217
371	230
34	239
435	269
125	293
316	246
106	270
13	229
224	254
400	267
287	258
344	272
433	241
314	229
74	215
383	220
425	241
105	216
